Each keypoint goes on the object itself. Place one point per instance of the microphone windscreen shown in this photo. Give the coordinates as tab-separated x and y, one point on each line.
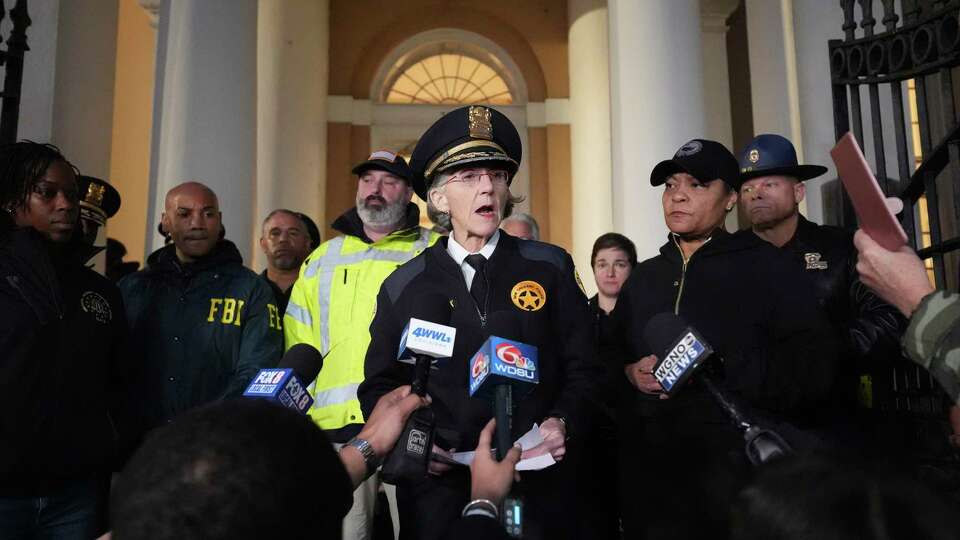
305	360
662	331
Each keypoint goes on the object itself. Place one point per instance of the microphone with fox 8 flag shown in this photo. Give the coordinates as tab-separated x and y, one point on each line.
424	340
502	370
287	383
682	351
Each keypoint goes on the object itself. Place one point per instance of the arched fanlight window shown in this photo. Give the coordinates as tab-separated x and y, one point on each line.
448	74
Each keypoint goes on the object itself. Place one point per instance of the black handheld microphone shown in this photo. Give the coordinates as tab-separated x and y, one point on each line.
681	351
424	340
287	383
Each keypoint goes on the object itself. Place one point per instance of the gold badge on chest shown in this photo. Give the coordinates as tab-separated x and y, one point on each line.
528	295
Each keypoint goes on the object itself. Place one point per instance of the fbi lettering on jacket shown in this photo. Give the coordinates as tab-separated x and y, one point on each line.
225	311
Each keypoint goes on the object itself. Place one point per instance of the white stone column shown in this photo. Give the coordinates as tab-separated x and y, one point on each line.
716	77
589	110
292	64
83	90
774	92
657	104
204	124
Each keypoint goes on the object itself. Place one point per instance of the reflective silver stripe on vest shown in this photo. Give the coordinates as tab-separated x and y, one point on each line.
299	314
334	257
335	396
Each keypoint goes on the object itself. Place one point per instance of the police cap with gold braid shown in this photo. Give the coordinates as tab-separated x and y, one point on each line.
98	199
468	136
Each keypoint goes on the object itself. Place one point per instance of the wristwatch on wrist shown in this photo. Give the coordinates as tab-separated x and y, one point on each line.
366	450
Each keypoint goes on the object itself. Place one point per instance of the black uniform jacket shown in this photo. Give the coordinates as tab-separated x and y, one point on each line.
561	330
60	366
201	331
752	303
829	258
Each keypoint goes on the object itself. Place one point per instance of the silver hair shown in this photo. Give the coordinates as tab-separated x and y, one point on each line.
442	219
524	217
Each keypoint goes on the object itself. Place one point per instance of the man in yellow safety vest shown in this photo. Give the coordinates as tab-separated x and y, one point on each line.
334	299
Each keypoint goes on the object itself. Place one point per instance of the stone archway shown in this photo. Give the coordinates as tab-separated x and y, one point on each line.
398	125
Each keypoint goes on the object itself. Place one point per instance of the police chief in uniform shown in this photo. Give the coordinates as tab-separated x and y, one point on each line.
495	284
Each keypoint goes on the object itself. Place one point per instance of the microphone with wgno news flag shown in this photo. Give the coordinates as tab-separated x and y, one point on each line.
502	370
287	383
424	341
682	351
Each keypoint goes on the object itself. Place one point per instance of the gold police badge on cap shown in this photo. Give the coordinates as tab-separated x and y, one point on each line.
754	156
95	194
528	295
479	120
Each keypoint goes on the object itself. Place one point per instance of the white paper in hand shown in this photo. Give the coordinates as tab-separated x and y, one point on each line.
527	441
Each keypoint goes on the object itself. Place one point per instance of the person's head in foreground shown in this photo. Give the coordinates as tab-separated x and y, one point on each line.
234	470
807	497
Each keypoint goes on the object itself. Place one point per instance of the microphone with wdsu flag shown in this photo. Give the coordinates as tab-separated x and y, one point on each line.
501	370
681	351
424	340
287	383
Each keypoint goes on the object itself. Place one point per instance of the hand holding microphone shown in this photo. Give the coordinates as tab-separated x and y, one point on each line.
683	352
491	479
640	375
424	340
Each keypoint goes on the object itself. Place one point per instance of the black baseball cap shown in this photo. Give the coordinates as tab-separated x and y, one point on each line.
385	160
702	159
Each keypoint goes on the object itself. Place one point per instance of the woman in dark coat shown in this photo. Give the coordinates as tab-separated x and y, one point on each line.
681	458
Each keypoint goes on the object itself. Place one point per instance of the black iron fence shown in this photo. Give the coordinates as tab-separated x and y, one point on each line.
870	70
11	58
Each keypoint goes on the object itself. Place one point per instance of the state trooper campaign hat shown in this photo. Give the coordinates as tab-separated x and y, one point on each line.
773	155
702	159
385	160
473	135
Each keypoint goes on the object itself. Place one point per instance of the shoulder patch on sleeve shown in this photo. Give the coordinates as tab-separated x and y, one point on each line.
540	251
402	276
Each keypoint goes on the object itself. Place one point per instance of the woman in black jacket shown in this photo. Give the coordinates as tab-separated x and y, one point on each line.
491	284
681	458
59	369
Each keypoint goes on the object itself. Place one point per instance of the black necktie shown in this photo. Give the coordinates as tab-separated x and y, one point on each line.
478	289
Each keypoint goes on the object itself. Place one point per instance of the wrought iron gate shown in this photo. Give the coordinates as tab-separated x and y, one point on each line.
12	60
920	43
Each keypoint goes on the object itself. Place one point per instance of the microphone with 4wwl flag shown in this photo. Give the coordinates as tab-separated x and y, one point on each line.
681	351
424	342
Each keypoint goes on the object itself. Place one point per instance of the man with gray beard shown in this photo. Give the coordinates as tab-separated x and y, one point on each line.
334	300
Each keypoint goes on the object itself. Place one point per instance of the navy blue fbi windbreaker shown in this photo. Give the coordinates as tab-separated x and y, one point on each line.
200	331
534	298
